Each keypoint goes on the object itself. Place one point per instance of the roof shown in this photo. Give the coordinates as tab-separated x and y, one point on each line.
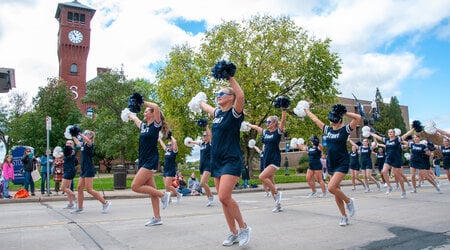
73	4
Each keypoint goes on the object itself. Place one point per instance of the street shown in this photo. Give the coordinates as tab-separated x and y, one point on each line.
381	222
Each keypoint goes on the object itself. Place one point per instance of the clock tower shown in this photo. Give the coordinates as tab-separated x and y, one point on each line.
73	47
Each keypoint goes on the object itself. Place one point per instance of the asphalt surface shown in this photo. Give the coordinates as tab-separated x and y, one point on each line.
381	221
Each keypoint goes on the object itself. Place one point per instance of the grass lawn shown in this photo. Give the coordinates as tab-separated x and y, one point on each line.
107	183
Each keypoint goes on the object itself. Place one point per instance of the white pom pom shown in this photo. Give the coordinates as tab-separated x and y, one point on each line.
188	142
299	110
397	131
430	127
407	156
124	114
251	143
300	141
365	131
424	142
303	104
56	151
245	127
194	103
294	143
67	134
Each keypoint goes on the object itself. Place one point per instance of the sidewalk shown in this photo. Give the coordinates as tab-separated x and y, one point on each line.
129	194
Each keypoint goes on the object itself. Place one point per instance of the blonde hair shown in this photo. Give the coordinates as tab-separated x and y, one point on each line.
274	119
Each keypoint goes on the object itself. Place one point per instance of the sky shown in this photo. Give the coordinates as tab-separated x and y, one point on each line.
400	47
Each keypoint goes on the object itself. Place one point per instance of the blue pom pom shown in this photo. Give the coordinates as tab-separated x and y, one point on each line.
202	122
74	131
223	70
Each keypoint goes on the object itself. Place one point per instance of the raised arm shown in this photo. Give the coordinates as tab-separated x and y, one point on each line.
283	120
163	145
257	128
407	134
240	98
314	118
442	132
356	118
174	143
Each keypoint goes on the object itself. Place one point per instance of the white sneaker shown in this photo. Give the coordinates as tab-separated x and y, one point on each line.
403	196
210	201
77	211
438	190
368	191
165	200
69	206
179	196
277	208
244	235
351	207
385	185
389	190
378	186
230	240
154	222
343	222
278	197
413	190
267	194
322	195
105	207
311	195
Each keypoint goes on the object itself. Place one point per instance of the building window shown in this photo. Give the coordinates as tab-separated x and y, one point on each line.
73	68
76	17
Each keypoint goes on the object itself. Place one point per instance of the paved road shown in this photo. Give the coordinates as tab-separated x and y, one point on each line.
381	222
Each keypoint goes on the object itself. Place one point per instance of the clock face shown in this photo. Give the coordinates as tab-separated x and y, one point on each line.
75	36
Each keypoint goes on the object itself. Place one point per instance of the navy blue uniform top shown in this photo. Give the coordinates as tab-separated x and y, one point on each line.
446	156
354	160
380	159
418	151
169	159
366	156
205	156
86	157
225	145
70	164
148	145
272	153
314	155
337	153
393	151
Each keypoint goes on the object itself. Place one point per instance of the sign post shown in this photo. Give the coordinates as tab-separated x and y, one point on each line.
48	126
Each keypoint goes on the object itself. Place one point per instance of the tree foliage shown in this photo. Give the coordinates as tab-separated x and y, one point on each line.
390	115
274	57
109	94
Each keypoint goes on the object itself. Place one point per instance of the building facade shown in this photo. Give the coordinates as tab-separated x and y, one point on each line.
74	37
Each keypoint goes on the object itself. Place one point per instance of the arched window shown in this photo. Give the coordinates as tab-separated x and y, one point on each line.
73	68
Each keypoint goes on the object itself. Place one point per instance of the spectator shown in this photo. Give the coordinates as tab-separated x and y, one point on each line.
7	175
29	164
194	185
44	177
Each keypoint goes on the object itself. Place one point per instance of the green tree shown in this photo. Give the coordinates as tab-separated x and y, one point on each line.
115	139
29	127
390	115
274	57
